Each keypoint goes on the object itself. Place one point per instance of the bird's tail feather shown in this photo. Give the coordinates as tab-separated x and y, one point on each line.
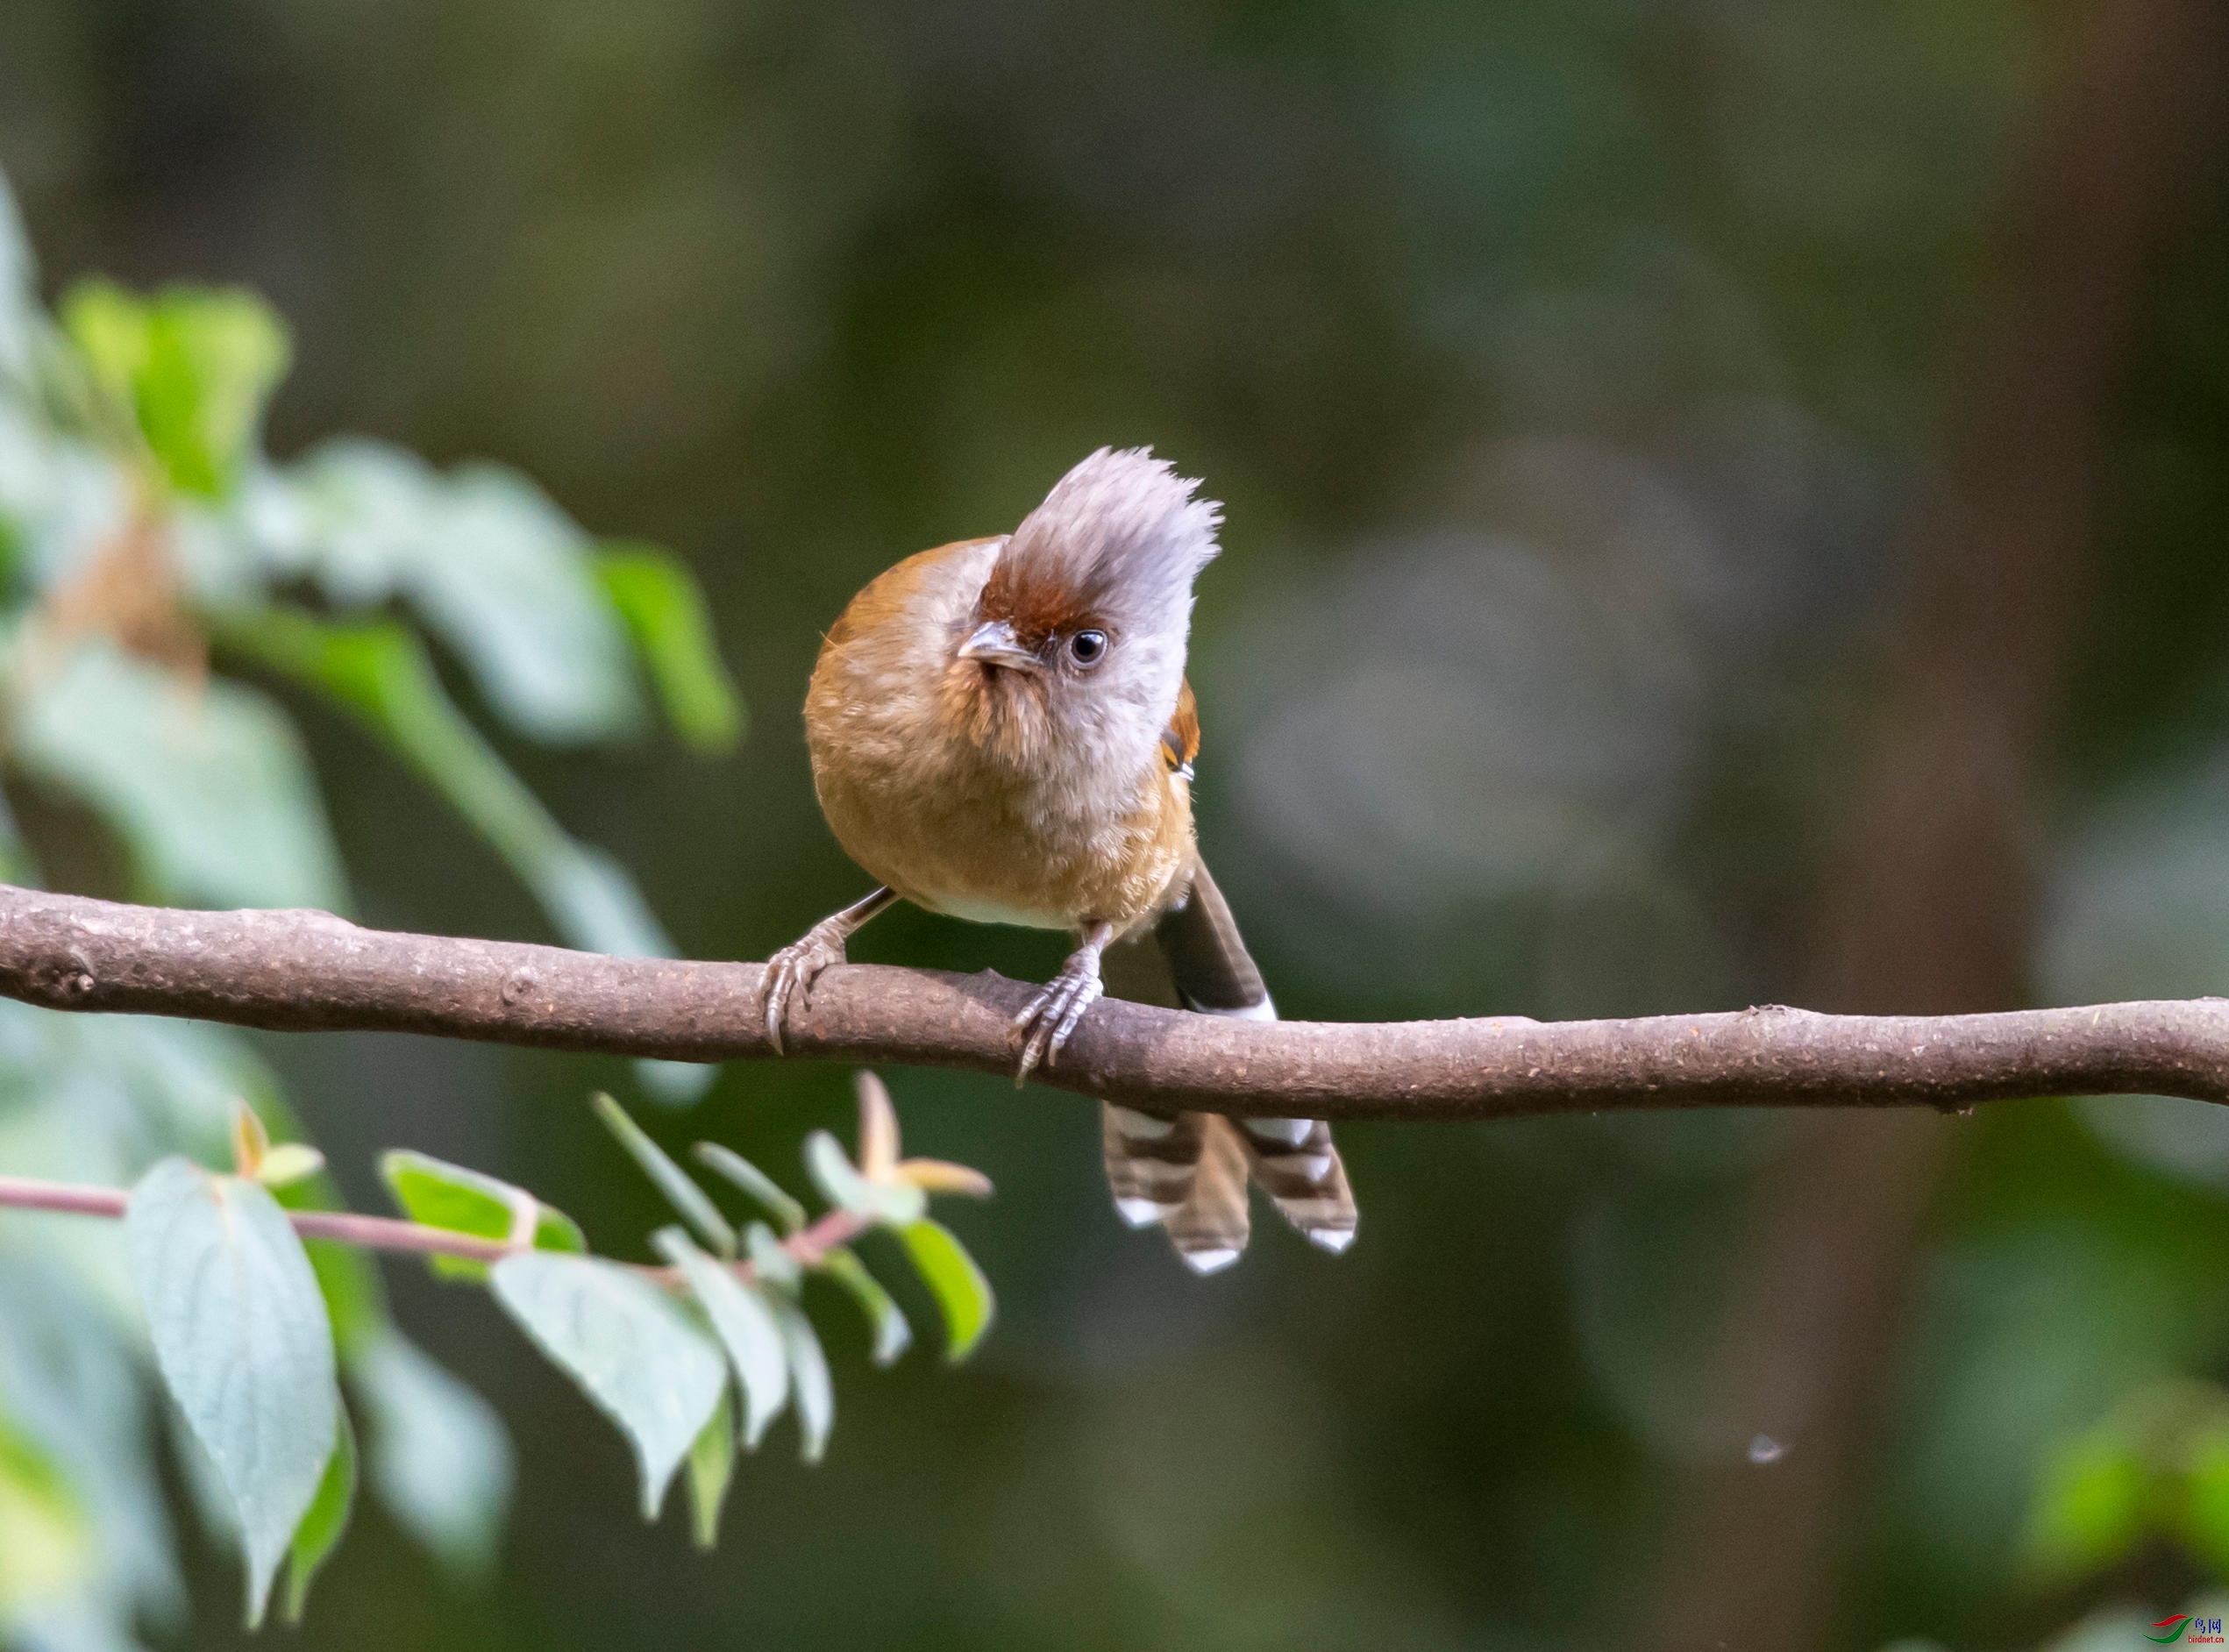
1188	1171
1300	1169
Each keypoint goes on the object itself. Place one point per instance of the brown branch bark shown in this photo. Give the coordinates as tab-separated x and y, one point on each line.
308	971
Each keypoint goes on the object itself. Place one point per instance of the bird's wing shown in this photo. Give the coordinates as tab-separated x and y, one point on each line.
1180	740
1208	963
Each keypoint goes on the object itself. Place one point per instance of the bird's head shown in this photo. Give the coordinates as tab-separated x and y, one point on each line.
1078	637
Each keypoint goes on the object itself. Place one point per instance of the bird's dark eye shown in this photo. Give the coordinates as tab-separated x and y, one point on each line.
1087	648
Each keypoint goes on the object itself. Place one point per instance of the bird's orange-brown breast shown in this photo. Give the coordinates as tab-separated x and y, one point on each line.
955	823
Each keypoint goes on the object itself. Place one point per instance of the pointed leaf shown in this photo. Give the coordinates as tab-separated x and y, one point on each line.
808	1376
938	1176
250	1142
893	1203
460	1201
321	1528
213	359
753	1181
712	1467
691	1202
439	1458
289	1163
960	1289
664	610
744	1322
244	1346
878	1127
629	1347
892	1336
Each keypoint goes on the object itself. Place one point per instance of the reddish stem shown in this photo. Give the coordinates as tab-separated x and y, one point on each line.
809	1246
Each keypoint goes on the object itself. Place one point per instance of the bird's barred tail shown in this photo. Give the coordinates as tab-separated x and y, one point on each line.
1188	1172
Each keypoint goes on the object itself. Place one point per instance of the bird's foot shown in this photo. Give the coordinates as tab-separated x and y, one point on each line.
791	972
1043	1025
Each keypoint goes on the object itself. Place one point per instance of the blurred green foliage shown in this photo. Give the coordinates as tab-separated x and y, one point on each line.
147	523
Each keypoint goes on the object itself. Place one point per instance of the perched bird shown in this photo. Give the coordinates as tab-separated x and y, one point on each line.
1000	731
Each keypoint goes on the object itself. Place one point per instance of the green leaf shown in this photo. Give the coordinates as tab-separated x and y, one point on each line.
507	580
289	1163
712	1467
958	1285
215	357
206	784
691	1202
439	1458
892	1336
753	1181
47	1544
496	570
892	1204
673	1084
631	1348
114	333
808	1376
664	610
193	367
321	1528
381	673
241	1338
347	1278
2088	1509
745	1323
460	1201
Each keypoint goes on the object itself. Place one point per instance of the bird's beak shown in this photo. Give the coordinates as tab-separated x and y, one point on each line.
994	644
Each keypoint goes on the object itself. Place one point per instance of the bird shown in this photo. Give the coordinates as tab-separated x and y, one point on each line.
1002	730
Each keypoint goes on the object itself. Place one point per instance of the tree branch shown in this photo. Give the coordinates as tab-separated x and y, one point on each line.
308	971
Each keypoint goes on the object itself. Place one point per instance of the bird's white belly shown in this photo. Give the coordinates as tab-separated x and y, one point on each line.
975	909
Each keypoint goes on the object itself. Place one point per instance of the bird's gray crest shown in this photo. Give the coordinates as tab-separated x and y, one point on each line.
1121	532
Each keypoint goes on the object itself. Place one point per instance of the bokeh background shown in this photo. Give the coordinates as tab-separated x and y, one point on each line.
1726	505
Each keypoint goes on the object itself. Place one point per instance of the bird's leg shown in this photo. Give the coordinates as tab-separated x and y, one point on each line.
790	972
1045	1024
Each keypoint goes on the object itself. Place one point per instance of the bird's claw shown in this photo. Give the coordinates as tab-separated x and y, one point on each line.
790	973
1044	1023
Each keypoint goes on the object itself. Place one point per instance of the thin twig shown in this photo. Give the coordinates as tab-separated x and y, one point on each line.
308	971
809	1246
